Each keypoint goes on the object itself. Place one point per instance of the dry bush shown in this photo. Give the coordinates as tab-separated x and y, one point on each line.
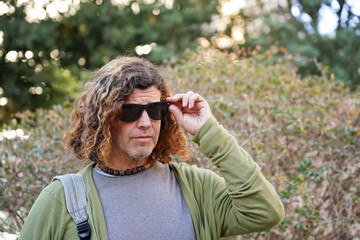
304	134
29	160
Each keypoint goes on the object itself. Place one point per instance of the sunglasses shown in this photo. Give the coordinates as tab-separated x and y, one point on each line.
156	111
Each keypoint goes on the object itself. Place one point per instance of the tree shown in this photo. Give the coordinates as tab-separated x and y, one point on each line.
44	59
299	26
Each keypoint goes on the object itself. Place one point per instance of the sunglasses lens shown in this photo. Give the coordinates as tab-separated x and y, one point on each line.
157	111
130	112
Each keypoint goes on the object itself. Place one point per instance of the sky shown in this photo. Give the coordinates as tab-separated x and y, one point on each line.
328	17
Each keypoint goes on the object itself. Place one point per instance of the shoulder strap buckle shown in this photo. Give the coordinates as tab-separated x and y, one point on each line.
83	229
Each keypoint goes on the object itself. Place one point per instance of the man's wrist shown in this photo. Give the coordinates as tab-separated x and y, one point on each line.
204	128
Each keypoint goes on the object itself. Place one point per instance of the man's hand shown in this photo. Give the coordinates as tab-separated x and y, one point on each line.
191	111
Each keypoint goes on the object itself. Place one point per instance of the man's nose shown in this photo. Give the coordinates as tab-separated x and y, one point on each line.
144	120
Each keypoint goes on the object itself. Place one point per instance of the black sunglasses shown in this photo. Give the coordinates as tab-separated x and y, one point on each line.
156	111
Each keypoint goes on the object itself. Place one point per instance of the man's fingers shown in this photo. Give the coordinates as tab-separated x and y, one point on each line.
177	113
185	100
176	98
190	110
193	99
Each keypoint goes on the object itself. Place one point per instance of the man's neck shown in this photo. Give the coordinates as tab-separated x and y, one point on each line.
125	162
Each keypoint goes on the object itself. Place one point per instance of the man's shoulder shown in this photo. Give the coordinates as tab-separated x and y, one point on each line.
192	171
56	190
53	190
184	167
52	195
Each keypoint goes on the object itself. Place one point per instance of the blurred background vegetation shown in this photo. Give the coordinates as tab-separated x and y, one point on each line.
49	47
283	76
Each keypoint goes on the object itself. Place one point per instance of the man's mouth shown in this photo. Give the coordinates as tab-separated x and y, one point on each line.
143	138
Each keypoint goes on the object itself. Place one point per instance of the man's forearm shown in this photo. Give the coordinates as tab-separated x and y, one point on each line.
254	197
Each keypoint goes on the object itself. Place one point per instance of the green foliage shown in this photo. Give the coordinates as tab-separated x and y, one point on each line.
335	55
303	132
117	30
20	77
67	48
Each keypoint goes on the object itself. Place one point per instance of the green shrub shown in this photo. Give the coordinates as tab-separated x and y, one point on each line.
304	134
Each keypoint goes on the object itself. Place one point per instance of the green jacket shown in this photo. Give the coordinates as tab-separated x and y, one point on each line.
243	201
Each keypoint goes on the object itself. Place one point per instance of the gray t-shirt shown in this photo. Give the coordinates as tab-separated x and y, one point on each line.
147	205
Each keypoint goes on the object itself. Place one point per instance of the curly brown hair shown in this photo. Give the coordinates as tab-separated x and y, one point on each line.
99	105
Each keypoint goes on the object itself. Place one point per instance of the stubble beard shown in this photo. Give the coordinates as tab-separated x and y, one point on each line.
140	156
136	156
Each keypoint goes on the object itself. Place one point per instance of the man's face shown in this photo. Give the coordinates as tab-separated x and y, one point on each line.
136	140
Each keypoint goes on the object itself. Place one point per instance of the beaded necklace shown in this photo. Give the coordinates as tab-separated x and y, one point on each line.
126	172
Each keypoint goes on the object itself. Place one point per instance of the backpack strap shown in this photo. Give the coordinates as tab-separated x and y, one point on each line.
75	196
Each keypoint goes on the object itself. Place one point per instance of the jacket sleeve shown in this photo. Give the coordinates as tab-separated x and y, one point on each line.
48	217
243	201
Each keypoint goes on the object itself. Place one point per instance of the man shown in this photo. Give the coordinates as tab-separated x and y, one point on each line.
121	122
